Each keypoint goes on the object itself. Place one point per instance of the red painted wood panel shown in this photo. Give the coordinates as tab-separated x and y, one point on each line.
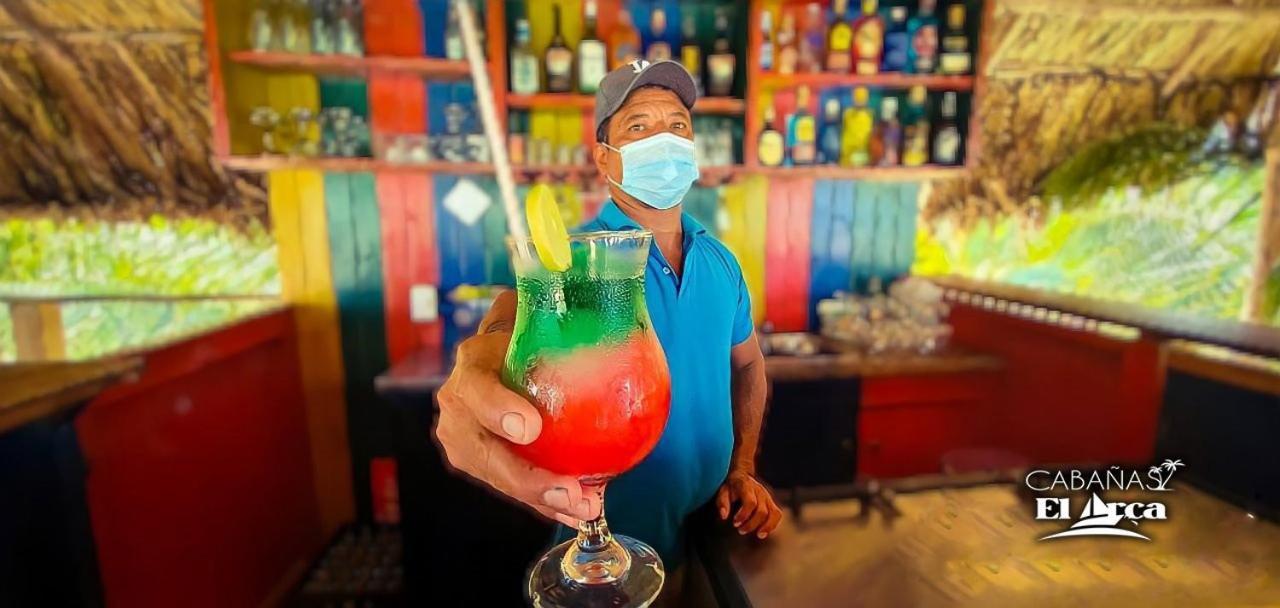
393	27
1069	396
409	257
897	442
200	482
787	253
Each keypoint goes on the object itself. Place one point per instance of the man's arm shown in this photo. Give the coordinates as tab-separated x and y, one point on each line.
757	512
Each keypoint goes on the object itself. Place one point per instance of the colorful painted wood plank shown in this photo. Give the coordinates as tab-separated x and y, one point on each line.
301	230
497	259
356	249
904	253
755	190
462	255
820	266
842	206
798	238
776	274
865	233
393	27
409	259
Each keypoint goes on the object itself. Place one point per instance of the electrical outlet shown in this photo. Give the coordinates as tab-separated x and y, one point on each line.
423	304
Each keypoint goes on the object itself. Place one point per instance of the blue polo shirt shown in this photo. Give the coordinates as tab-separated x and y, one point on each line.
698	317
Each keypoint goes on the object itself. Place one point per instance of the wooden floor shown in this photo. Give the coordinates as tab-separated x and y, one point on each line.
978	547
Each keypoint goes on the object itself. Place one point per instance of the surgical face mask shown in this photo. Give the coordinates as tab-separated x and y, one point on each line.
657	170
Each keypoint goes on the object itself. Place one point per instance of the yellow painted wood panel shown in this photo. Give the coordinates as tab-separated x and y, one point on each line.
302	241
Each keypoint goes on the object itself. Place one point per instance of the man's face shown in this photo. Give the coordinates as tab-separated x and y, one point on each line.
646	112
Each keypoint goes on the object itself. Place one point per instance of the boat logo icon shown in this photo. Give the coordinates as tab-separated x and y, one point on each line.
1099	517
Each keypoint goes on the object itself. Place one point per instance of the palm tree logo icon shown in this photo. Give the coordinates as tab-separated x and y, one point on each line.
1162	473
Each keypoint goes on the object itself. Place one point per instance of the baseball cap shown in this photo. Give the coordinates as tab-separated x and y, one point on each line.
618	84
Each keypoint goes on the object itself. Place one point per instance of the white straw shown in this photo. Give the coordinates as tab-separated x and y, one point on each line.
489	118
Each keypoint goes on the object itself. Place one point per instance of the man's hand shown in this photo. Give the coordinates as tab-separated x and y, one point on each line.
480	418
757	513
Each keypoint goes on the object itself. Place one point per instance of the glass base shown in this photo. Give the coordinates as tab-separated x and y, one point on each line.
637	587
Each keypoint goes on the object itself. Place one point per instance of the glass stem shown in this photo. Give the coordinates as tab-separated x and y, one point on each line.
595	558
593	535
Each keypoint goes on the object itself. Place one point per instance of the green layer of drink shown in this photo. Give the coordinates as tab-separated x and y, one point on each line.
562	312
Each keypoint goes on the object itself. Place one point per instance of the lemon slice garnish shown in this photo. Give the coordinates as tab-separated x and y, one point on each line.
546	228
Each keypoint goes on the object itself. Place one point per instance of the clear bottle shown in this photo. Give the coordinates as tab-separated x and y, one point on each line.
868	40
840	40
690	51
946	141
802	132
261	26
453	36
659	48
592	55
350	36
323	39
771	150
524	64
558	59
722	61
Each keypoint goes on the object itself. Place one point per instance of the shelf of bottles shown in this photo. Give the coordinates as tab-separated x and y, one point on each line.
557	57
862	89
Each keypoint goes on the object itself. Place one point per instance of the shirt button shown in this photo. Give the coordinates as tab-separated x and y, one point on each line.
666	271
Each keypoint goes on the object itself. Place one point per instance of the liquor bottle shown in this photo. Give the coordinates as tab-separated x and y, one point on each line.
721	61
766	43
859	120
690	52
261	26
888	134
350	28
802	132
811	34
524	65
592	56
922	54
624	40
659	48
788	51
558	59
896	41
519	135
323	18
829	151
839	39
955	57
868	40
453	36
915	130
771	150
946	143
293	24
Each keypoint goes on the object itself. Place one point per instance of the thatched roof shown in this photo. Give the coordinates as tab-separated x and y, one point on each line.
1062	74
104	104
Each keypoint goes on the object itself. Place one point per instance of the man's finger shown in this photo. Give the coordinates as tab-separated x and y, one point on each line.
497	408
771	524
746	510
722	501
559	517
758	518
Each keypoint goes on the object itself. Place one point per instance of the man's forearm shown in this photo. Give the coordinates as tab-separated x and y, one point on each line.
749	391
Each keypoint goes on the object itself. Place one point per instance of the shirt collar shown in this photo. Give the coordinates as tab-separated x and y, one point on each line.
612	218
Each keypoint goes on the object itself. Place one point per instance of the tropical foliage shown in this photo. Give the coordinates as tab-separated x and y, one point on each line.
1144	218
156	257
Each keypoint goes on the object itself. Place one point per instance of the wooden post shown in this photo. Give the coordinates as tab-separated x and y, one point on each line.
1268	251
37	330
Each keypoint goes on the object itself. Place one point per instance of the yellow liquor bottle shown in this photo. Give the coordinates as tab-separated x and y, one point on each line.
859	121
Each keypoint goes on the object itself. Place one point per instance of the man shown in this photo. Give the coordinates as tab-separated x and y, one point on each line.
701	312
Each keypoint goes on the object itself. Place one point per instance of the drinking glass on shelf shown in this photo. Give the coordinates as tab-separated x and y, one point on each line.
268	120
349	28
306	133
585	354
